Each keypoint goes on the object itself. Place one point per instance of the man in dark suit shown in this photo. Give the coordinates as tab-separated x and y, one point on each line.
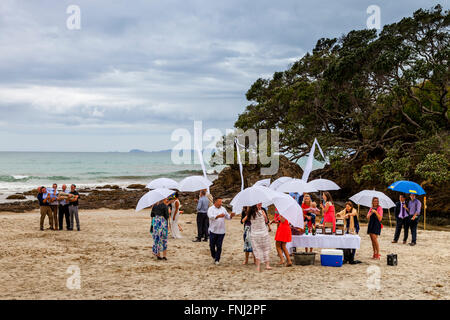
403	219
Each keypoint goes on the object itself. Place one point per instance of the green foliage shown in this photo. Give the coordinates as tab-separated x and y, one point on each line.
435	168
377	103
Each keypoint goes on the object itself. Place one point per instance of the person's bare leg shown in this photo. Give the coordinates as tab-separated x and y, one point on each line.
286	253
254	259
280	252
310	249
165	253
306	249
258	265
246	258
377	245
268	265
373	244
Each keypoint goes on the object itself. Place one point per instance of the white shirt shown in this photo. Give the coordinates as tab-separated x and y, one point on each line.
217	226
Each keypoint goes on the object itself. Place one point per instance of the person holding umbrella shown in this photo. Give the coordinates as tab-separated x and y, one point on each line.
375	215
414	207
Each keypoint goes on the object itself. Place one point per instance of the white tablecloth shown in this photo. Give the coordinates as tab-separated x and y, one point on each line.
347	241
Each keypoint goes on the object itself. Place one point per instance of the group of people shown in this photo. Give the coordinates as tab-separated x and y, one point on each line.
59	206
211	216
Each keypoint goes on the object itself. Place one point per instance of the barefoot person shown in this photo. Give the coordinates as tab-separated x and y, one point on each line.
160	229
282	236
217	215
73	206
374	227
44	198
175	229
247	238
259	235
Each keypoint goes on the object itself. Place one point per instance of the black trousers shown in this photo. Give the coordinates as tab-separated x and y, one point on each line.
413	225
215	245
402	223
202	225
64	212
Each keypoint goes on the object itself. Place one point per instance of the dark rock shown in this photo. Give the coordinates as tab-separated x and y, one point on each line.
16	196
136	186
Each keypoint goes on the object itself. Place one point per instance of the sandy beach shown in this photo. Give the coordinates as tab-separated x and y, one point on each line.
113	253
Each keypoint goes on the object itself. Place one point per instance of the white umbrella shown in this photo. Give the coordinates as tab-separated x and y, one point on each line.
365	197
263	183
289	208
323	184
251	196
165	183
194	183
286	205
279	182
296	185
152	197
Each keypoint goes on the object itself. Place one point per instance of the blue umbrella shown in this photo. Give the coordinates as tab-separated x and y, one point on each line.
407	187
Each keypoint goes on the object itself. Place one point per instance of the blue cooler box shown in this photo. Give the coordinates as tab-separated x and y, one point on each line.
331	257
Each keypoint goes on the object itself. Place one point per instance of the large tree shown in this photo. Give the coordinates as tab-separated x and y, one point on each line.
377	103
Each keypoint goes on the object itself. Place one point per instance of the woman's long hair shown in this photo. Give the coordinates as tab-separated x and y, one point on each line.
349	203
251	212
328	196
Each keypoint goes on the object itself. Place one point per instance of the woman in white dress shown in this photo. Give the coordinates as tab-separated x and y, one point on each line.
175	229
259	236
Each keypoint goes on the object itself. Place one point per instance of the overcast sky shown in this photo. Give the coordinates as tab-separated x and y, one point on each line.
137	70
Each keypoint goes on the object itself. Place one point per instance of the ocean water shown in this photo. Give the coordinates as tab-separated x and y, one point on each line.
22	171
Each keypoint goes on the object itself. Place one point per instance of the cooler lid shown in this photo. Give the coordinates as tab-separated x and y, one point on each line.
332	252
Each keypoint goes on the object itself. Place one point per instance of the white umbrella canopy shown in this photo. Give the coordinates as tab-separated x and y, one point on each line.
251	196
152	197
296	185
324	184
289	209
279	182
164	183
286	205
365	197
194	183
262	183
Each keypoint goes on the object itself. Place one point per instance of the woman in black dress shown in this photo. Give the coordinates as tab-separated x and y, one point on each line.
374	216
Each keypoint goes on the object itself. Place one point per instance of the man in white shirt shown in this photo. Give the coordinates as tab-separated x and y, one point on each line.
217	215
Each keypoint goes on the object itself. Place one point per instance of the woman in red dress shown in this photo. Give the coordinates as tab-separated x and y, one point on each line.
328	209
282	236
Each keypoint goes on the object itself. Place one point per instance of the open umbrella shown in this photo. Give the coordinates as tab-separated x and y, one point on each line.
152	197
407	187
194	183
323	184
365	197
251	196
286	205
164	183
263	183
279	182
296	185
